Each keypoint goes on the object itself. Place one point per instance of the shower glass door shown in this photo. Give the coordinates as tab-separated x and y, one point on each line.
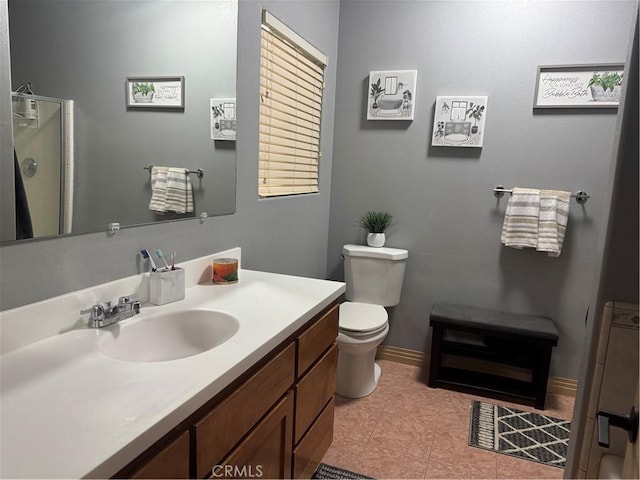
39	142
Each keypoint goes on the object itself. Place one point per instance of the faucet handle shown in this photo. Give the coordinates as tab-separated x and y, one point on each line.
97	312
130	300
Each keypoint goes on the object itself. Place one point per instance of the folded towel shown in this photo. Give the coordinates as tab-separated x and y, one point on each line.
552	225
171	190
520	227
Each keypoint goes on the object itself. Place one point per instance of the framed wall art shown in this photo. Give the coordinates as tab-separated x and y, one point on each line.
223	118
459	121
391	95
155	92
579	86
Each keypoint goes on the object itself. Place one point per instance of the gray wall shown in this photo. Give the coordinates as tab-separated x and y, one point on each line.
445	212
85	50
287	235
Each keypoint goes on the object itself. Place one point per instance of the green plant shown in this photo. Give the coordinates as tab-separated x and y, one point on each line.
375	222
606	80
475	112
142	88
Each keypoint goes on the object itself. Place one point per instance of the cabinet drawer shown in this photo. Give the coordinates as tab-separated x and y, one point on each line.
316	339
314	390
309	452
217	433
171	462
266	451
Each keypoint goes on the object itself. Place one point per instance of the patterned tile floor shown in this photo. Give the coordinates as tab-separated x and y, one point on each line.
406	430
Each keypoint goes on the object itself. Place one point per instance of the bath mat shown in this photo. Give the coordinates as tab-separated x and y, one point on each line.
329	471
531	436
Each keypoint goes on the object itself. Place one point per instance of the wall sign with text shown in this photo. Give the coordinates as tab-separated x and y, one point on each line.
579	86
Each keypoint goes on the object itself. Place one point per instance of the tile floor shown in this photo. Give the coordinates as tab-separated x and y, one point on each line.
406	430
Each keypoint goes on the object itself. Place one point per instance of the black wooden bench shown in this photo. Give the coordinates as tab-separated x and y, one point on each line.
490	344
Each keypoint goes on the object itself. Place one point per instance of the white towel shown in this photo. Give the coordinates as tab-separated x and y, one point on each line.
171	190
552	225
520	227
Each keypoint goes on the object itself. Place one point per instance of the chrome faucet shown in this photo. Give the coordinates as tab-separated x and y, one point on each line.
103	314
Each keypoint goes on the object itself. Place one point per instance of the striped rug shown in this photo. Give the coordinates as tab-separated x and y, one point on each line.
530	436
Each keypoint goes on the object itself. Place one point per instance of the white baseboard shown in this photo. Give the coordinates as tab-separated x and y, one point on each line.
559	385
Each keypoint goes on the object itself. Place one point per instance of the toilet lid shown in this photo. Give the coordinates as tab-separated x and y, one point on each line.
362	317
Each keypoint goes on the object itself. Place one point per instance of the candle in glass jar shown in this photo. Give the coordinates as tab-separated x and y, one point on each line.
225	270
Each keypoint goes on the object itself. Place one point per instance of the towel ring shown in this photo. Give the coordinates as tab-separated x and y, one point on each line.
581	196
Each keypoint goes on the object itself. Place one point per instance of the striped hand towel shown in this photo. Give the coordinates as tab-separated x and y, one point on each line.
171	190
520	227
554	214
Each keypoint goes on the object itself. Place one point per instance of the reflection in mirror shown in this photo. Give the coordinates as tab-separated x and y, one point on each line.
82	156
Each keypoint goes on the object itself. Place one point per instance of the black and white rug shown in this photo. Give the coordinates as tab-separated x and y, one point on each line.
526	435
329	471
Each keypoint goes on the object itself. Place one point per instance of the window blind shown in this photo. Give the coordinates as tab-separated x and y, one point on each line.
291	89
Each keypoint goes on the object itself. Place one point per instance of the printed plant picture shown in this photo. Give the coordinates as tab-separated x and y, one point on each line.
391	95
223	118
459	121
155	92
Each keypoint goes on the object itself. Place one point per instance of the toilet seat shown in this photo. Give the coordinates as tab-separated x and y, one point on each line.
362	318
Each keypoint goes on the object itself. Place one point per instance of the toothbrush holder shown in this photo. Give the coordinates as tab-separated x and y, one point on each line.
166	286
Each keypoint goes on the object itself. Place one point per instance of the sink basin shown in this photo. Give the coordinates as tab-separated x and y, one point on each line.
168	337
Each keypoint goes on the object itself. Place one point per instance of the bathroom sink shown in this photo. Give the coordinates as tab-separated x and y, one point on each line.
168	337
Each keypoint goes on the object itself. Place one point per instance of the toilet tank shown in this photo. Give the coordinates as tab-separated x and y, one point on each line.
374	275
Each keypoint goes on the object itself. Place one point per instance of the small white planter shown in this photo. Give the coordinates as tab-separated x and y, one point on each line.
375	239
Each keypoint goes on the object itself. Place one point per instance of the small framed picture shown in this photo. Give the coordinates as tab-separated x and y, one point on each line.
391	95
155	92
223	118
593	85
458	121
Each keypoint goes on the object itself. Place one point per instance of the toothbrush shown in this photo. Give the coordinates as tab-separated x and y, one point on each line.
172	256
161	257
145	254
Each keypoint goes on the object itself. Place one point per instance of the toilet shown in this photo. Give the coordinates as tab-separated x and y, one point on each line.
373	276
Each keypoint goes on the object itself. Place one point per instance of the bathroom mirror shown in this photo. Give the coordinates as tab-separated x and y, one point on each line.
82	153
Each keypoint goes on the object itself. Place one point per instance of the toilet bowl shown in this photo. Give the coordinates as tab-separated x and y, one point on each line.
362	328
374	278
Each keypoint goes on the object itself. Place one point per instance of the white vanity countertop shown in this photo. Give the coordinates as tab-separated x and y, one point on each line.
68	411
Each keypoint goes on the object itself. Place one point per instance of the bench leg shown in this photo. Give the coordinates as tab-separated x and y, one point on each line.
540	376
434	361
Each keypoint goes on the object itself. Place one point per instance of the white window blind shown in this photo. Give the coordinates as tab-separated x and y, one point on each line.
291	88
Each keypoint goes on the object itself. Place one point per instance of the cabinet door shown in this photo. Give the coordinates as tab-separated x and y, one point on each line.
314	390
267	451
170	462
309	452
217	433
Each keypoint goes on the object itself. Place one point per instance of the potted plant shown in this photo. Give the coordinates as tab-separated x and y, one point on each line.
376	92
475	112
605	87
142	92
375	223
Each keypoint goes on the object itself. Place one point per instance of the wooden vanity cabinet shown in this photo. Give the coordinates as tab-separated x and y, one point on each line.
275	421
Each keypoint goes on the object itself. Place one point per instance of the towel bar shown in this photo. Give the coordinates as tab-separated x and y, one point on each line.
581	196
199	172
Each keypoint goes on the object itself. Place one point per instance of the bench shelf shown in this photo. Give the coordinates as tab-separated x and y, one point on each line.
510	340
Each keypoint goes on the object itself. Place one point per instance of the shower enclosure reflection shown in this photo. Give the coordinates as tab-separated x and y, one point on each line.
43	156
